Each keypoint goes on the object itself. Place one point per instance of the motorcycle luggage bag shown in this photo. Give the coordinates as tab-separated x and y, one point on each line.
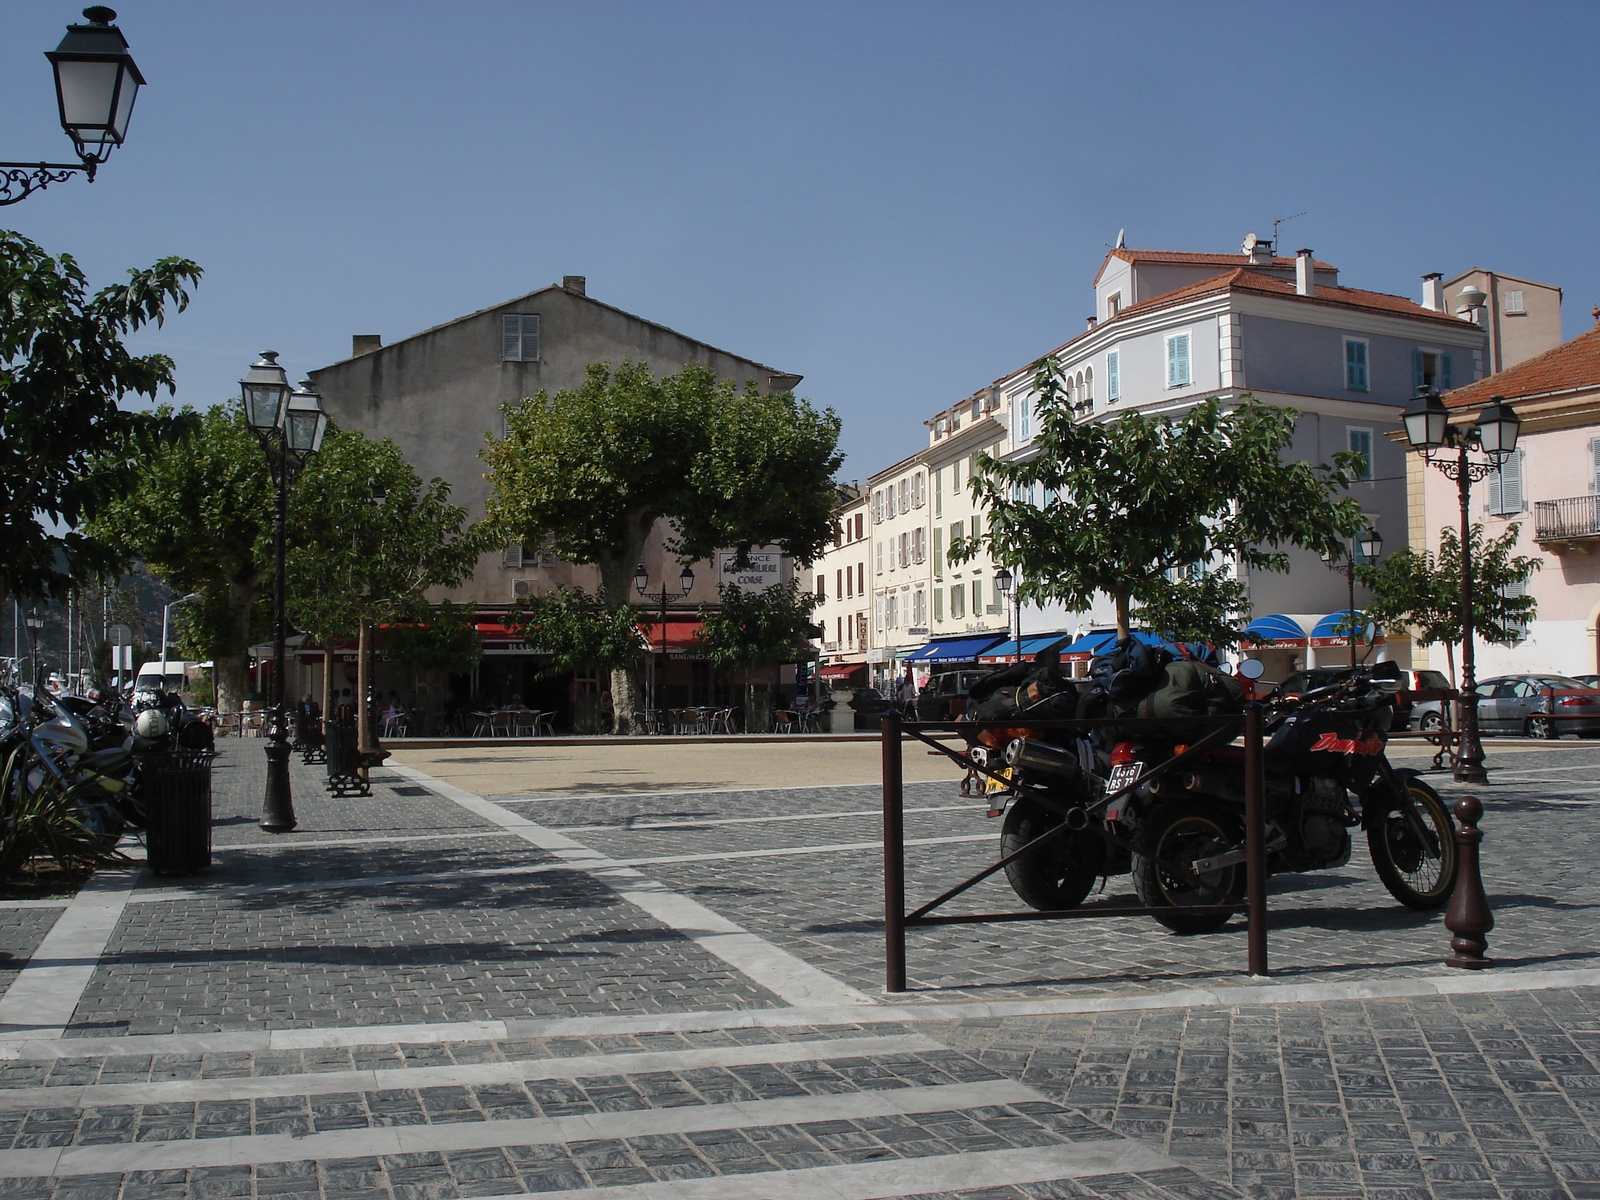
1192	689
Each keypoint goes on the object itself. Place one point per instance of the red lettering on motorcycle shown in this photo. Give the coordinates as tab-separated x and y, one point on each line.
1334	744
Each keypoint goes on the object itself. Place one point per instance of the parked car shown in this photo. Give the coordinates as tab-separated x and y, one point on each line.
1428	714
1543	706
1588	680
945	697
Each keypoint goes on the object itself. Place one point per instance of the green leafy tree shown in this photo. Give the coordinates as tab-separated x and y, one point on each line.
355	564
1419	591
199	514
1148	509
63	374
447	641
749	629
579	631
589	472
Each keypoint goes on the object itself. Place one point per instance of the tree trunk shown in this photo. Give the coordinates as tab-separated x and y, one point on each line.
233	681
1124	622
757	709
363	684
327	683
616	581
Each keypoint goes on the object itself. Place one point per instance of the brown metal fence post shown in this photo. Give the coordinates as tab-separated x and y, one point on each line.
1255	839
1469	916
894	858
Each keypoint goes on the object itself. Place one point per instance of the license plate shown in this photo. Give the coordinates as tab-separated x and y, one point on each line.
1121	776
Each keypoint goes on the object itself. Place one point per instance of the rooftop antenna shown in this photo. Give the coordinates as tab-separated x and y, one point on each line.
1121	241
1281	221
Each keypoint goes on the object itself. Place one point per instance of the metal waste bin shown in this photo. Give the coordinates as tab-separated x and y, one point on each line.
177	805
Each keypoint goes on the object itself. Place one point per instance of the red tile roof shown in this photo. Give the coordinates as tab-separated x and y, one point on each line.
1186	258
1241	280
1571	365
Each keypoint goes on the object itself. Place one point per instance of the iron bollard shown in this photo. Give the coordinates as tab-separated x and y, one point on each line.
1468	916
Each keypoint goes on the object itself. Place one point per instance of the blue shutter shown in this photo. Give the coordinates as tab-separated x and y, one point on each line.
1113	376
1183	359
1594	449
1178	360
1416	369
511	338
1444	372
1355	366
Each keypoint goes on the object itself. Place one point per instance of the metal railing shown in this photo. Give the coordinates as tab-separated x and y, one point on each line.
1572	517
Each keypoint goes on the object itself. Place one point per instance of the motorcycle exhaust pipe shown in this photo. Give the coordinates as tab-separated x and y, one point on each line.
1032	755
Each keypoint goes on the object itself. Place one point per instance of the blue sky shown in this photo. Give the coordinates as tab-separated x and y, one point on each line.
900	201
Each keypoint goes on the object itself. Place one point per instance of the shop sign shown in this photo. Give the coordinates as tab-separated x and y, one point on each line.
764	569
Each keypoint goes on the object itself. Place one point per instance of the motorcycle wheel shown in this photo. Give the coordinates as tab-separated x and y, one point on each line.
104	823
1179	833
1402	862
1058	874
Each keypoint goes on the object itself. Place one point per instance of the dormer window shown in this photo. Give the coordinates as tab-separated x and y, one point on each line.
1113	304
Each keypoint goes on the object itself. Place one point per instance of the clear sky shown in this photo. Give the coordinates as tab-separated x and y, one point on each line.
900	201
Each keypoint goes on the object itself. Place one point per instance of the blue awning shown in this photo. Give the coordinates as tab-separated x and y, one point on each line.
1006	648
1336	628
956	650
1091	644
1277	630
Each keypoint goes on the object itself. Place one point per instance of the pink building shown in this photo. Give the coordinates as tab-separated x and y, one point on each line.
1550	488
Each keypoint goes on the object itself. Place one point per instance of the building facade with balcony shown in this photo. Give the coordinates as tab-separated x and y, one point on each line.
898	571
1549	489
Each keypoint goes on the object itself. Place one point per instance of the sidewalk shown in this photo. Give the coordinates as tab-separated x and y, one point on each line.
674	994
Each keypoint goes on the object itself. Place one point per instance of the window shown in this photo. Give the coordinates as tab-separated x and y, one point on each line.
877	614
1024	405
1517	629
956	531
904	490
955	479
1178	360
905	549
922	489
997	598
892	616
878	546
861	531
822	586
1088	387
838	631
938	604
955	419
1355	365
839	578
1113	304
513	555
1113	377
977	597
1360	442
861	579
919	545
938	493
1514	307
958	601
1505	486
1429	368
838	536
938	553
1594	453
519	337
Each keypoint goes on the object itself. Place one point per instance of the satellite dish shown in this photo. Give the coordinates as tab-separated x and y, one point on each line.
1121	244
1250	241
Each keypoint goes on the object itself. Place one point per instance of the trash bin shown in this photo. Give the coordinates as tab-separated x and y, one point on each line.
177	804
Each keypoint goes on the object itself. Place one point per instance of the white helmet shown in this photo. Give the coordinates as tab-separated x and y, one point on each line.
151	723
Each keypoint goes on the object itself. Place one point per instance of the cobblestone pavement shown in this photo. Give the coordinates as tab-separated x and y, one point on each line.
418	995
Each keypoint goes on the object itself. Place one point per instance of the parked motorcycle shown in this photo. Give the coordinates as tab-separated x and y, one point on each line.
1180	834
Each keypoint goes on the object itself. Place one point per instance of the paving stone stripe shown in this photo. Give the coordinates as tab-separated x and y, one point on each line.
43	996
628	825
1456	984
950	1173
249	1087
428	1139
300	844
779	971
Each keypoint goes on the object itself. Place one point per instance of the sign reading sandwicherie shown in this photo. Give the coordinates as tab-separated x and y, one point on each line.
764	569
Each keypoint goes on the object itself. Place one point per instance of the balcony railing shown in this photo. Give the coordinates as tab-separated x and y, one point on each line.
1568	520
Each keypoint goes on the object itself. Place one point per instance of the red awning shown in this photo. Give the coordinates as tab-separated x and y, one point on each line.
682	637
841	670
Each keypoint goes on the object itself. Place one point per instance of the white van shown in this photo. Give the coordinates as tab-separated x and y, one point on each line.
169	676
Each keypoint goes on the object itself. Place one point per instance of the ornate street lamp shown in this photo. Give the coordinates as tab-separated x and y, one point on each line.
289	424
1429	431
1004	580
96	84
641	581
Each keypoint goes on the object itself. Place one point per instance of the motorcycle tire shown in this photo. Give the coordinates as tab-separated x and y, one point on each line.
104	823
1058	874
1179	833
1398	855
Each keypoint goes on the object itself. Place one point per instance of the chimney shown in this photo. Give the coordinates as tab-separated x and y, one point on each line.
1092	322
365	343
1304	277
1261	254
578	285
1433	292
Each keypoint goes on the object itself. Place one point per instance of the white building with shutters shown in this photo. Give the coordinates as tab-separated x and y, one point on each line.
898	570
1172	328
844	592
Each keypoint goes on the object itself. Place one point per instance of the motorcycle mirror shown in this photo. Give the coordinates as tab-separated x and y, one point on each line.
1386	670
1252	668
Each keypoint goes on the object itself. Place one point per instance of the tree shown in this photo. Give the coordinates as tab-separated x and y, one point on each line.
751	628
588	473
1155	510
63	374
1419	592
355	564
199	513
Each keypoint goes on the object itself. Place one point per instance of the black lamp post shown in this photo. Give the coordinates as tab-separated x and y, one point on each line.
641	581
289	425
1004	580
35	624
1429	431
1370	545
96	83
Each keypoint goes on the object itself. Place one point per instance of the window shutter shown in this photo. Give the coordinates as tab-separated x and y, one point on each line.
1511	483
938	549
513	555
1114	376
1491	502
511	338
1594	450
1172	362
938	599
1417	369
1444	372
